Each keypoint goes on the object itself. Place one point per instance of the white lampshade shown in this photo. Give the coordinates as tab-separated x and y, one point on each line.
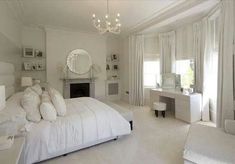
2	97
26	81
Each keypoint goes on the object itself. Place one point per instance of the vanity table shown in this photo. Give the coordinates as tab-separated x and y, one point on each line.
187	106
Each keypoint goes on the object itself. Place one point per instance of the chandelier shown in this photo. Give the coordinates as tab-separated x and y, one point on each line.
108	25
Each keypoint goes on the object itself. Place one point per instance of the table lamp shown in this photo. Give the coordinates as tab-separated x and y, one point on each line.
26	81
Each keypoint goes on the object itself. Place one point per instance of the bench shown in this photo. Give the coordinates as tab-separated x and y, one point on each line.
127	114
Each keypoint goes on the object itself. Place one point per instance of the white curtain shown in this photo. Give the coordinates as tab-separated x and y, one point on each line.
225	67
198	53
136	59
202	54
167	52
207	70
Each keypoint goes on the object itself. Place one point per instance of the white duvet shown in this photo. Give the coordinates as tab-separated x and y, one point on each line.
87	120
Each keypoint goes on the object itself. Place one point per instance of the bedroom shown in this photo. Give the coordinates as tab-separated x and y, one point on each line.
155	83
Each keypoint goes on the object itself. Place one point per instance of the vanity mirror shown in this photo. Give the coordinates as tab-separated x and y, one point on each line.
79	61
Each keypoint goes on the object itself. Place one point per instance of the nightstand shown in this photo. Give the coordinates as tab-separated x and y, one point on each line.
12	155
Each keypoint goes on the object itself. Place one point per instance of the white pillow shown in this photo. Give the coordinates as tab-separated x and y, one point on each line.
13	116
58	101
30	102
37	88
47	109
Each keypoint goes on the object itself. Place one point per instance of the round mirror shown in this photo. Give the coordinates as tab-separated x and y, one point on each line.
79	61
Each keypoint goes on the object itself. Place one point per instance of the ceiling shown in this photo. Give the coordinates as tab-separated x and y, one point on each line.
77	14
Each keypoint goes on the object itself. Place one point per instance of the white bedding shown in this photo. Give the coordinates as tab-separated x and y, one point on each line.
87	121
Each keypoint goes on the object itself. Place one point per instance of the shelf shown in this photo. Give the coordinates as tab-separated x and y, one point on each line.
33	70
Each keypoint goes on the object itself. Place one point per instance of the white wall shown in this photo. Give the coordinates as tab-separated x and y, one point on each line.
10	40
58	45
36	38
124	68
113	47
9	26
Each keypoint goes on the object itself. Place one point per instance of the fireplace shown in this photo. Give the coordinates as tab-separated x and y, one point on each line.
79	90
79	87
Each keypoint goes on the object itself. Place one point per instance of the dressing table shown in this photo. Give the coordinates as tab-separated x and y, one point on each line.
187	106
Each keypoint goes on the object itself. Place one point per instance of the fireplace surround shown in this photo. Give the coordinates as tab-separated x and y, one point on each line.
80	87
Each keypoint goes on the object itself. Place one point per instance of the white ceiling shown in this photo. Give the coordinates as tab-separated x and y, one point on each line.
76	14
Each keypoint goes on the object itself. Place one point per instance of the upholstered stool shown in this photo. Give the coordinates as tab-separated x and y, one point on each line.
159	106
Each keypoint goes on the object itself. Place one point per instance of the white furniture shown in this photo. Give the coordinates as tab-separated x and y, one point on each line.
87	122
187	106
206	144
7	78
12	155
159	106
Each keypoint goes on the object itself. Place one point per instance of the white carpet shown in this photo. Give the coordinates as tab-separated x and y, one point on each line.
153	141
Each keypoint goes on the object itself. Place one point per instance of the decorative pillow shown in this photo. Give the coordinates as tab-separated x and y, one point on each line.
37	88
58	101
47	109
13	116
30	102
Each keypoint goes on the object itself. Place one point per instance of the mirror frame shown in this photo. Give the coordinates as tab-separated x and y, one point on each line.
73	53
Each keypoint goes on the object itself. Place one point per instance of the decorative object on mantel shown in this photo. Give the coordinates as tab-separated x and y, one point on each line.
96	69
108	25
2	97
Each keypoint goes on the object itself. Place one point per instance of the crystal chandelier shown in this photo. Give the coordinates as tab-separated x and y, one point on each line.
108	25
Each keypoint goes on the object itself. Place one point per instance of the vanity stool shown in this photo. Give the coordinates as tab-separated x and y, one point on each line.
159	106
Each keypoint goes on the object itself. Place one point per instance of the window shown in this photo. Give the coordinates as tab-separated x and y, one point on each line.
186	69
151	73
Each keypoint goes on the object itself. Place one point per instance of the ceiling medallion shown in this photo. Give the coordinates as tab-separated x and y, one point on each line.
108	25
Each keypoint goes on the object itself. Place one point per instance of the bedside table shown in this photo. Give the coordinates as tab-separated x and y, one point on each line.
12	155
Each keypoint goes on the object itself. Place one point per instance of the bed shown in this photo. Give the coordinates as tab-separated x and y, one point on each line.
88	122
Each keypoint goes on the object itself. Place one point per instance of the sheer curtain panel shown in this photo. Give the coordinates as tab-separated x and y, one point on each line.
225	67
136	59
167	52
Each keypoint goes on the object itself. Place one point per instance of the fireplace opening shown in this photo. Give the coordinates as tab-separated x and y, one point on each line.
79	90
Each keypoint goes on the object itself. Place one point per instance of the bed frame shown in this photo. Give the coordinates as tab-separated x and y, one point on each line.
7	77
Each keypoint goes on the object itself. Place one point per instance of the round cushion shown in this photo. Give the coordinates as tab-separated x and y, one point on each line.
159	106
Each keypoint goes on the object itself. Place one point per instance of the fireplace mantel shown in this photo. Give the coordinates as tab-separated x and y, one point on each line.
68	81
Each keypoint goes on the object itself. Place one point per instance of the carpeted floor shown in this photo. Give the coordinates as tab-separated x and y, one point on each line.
153	141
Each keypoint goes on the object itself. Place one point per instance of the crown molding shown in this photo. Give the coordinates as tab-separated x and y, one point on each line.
168	12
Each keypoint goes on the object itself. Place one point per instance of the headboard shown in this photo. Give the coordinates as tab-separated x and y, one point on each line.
7	77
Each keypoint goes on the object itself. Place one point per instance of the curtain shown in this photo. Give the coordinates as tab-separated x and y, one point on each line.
198	53
136	59
184	42
202	54
167	52
207	70
225	66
